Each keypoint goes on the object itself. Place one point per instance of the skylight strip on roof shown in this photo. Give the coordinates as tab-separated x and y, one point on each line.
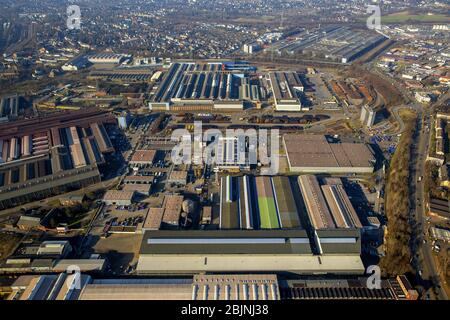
218	241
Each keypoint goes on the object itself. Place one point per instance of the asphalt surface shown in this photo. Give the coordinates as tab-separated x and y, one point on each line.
423	261
429	273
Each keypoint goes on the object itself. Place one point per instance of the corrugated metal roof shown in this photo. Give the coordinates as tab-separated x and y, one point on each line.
287	208
225	242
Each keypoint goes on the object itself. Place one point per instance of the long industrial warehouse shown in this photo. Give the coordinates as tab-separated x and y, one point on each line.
193	86
316	206
284	199
281	251
266	204
328	206
257	203
286	90
307	153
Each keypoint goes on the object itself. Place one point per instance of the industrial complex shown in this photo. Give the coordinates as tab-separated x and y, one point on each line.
335	43
253	151
57	154
328	206
192	86
287	89
246	287
260	228
280	251
257	203
9	108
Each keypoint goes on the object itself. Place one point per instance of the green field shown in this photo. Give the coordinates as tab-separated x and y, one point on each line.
268	213
404	17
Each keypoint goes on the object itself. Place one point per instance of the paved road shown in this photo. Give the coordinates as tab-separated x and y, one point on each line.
395	113
422	255
101	185
426	261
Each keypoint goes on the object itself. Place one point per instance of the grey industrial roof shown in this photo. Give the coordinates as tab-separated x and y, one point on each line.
340	241
42	263
116	195
285	201
226	242
229	215
306	150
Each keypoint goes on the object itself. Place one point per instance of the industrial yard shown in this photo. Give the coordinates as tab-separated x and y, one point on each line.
322	212
334	43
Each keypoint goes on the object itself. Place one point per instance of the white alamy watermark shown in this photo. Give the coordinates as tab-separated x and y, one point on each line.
73	21
76	281
238	148
374	20
374	280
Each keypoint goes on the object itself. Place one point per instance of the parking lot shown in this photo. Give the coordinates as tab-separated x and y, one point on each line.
119	219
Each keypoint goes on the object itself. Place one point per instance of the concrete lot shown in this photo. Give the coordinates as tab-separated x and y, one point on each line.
121	250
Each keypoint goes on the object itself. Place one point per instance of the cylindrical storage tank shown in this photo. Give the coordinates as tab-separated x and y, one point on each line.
188	206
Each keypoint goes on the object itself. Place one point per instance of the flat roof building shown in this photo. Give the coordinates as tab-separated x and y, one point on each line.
316	206
84	265
328	206
242	287
286	89
285	203
440	208
153	219
143	189
143	157
314	154
178	177
344	215
229	212
139	180
266	204
28	222
172	205
118	197
149	289
280	251
261	202
54	248
236	205
109	58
